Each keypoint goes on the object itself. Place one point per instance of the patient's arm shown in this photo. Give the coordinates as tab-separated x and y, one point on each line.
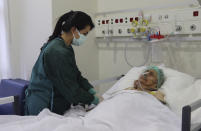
135	86
130	88
159	95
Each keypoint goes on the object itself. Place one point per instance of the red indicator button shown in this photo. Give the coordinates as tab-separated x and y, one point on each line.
121	20
195	13
131	19
116	21
103	22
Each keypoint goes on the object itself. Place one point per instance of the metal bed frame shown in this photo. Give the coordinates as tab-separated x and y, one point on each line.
186	117
186	110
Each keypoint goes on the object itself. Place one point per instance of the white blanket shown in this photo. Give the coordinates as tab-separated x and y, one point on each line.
123	111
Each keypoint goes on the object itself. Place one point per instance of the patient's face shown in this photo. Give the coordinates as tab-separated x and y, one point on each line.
148	80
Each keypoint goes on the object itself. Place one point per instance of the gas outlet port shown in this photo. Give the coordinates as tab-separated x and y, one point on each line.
193	27
111	32
120	31
129	31
166	16
178	28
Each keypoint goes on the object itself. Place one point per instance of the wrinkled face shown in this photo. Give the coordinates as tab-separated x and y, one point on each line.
148	80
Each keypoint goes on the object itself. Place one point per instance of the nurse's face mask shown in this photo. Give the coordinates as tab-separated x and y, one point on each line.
78	41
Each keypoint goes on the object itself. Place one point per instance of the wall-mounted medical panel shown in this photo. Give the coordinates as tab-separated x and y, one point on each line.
179	28
166	28
188	21
192	27
168	22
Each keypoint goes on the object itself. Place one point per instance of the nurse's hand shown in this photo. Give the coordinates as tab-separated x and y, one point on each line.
95	101
90	107
92	91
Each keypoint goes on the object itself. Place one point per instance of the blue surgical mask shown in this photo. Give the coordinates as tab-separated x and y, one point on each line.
79	41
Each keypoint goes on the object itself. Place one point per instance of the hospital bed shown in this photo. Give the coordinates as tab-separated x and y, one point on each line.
12	100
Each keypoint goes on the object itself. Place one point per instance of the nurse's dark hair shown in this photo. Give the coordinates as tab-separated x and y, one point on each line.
71	19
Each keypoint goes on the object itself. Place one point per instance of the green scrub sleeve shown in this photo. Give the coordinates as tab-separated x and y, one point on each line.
59	69
84	83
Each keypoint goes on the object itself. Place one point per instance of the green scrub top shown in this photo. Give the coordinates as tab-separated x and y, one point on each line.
56	83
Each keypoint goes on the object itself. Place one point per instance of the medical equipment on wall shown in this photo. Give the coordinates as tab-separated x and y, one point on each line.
150	27
141	27
167	21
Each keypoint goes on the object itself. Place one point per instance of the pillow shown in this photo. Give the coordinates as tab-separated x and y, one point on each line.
125	82
185	97
176	79
175	82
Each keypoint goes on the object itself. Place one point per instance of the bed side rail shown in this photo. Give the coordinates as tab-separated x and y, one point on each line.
186	116
11	99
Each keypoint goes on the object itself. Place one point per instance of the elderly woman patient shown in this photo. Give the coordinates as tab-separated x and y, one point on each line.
150	81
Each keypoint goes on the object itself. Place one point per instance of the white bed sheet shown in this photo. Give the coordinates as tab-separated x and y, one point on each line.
122	111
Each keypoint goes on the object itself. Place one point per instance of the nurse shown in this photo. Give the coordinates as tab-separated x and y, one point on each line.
56	82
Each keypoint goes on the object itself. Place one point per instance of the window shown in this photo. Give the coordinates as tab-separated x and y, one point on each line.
4	40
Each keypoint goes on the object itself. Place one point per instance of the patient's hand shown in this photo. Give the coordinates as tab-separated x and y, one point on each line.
160	96
136	84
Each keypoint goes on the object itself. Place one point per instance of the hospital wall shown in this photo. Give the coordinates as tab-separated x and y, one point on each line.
30	26
111	56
